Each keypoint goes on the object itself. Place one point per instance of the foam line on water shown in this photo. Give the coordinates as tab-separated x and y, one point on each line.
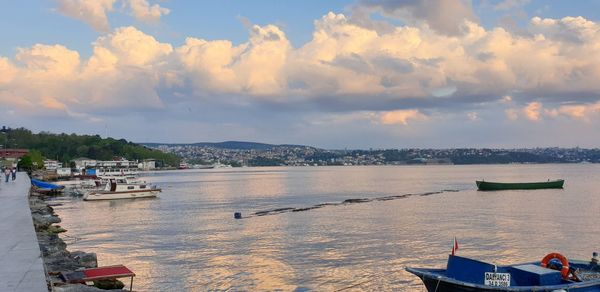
345	202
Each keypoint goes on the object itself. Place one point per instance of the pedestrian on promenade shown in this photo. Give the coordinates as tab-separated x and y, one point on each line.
6	173
14	173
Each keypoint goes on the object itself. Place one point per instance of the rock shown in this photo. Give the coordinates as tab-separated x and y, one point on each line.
42	222
55	229
87	260
55	255
50	243
76	288
109	284
58	263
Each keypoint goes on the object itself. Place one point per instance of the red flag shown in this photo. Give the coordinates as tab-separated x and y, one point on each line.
454	246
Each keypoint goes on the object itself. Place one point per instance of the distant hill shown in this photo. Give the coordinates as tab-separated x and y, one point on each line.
65	147
235	145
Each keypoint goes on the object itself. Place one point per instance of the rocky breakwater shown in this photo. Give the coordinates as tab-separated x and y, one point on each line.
56	257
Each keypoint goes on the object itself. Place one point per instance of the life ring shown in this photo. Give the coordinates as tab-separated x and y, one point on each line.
563	260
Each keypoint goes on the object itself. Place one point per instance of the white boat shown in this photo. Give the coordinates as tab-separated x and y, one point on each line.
122	189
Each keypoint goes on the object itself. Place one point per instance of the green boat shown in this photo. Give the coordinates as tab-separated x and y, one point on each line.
496	186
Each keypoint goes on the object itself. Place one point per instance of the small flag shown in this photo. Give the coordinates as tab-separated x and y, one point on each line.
454	246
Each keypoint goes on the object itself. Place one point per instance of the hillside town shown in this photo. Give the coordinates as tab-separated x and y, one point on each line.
311	156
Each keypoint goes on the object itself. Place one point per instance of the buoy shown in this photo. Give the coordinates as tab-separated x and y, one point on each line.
237	215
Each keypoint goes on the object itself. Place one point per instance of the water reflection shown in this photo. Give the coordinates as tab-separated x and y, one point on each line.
187	239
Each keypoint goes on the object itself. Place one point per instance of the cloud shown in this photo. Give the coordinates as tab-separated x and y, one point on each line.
510	4
576	111
346	66
49	61
532	111
123	73
512	114
7	71
95	12
401	117
143	11
443	16
129	46
254	68
92	12
396	74
473	116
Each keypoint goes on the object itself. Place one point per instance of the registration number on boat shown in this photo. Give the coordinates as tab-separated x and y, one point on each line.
497	279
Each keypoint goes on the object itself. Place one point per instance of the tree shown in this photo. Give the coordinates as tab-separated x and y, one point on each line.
31	161
65	147
25	163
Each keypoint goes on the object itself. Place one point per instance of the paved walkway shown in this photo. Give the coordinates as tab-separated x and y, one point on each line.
21	267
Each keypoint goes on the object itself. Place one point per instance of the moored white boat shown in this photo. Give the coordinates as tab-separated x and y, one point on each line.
122	189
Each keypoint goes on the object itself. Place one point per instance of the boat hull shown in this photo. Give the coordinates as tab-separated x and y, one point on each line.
434	282
433	285
496	186
104	195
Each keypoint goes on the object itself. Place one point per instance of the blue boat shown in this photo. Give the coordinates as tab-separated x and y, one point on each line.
553	273
45	186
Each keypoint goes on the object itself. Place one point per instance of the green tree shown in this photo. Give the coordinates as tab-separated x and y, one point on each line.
25	163
65	147
31	161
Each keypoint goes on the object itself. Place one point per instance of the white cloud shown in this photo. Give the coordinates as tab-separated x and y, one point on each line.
95	12
510	4
142	10
512	114
49	61
7	71
473	116
92	12
344	68
130	47
123	72
401	117
533	111
576	111
443	16
252	68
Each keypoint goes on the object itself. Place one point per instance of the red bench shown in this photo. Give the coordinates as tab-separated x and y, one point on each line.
101	273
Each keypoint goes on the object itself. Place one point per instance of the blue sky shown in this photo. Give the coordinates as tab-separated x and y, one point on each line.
333	74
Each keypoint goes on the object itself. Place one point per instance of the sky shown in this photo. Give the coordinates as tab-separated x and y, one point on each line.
332	74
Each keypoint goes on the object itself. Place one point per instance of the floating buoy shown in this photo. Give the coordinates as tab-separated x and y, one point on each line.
237	215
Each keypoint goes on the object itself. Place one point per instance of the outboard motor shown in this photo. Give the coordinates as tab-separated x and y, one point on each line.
594	262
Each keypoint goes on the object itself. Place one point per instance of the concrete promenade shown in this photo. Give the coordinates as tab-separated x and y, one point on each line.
21	267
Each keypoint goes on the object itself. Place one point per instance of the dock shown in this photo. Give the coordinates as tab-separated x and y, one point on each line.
21	265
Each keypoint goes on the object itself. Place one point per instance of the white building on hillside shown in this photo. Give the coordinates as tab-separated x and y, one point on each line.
52	164
148	164
82	163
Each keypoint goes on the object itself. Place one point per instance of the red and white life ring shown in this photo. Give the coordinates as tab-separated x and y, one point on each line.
563	260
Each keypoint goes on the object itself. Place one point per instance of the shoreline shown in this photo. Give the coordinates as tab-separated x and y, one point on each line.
55	256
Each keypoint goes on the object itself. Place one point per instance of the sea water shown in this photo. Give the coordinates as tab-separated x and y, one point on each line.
188	239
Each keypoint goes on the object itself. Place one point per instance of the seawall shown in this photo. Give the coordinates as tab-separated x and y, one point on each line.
21	266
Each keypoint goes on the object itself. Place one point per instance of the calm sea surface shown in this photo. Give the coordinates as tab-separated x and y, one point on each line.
187	238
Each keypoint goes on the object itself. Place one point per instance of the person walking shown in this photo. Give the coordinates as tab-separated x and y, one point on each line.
14	173
6	173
